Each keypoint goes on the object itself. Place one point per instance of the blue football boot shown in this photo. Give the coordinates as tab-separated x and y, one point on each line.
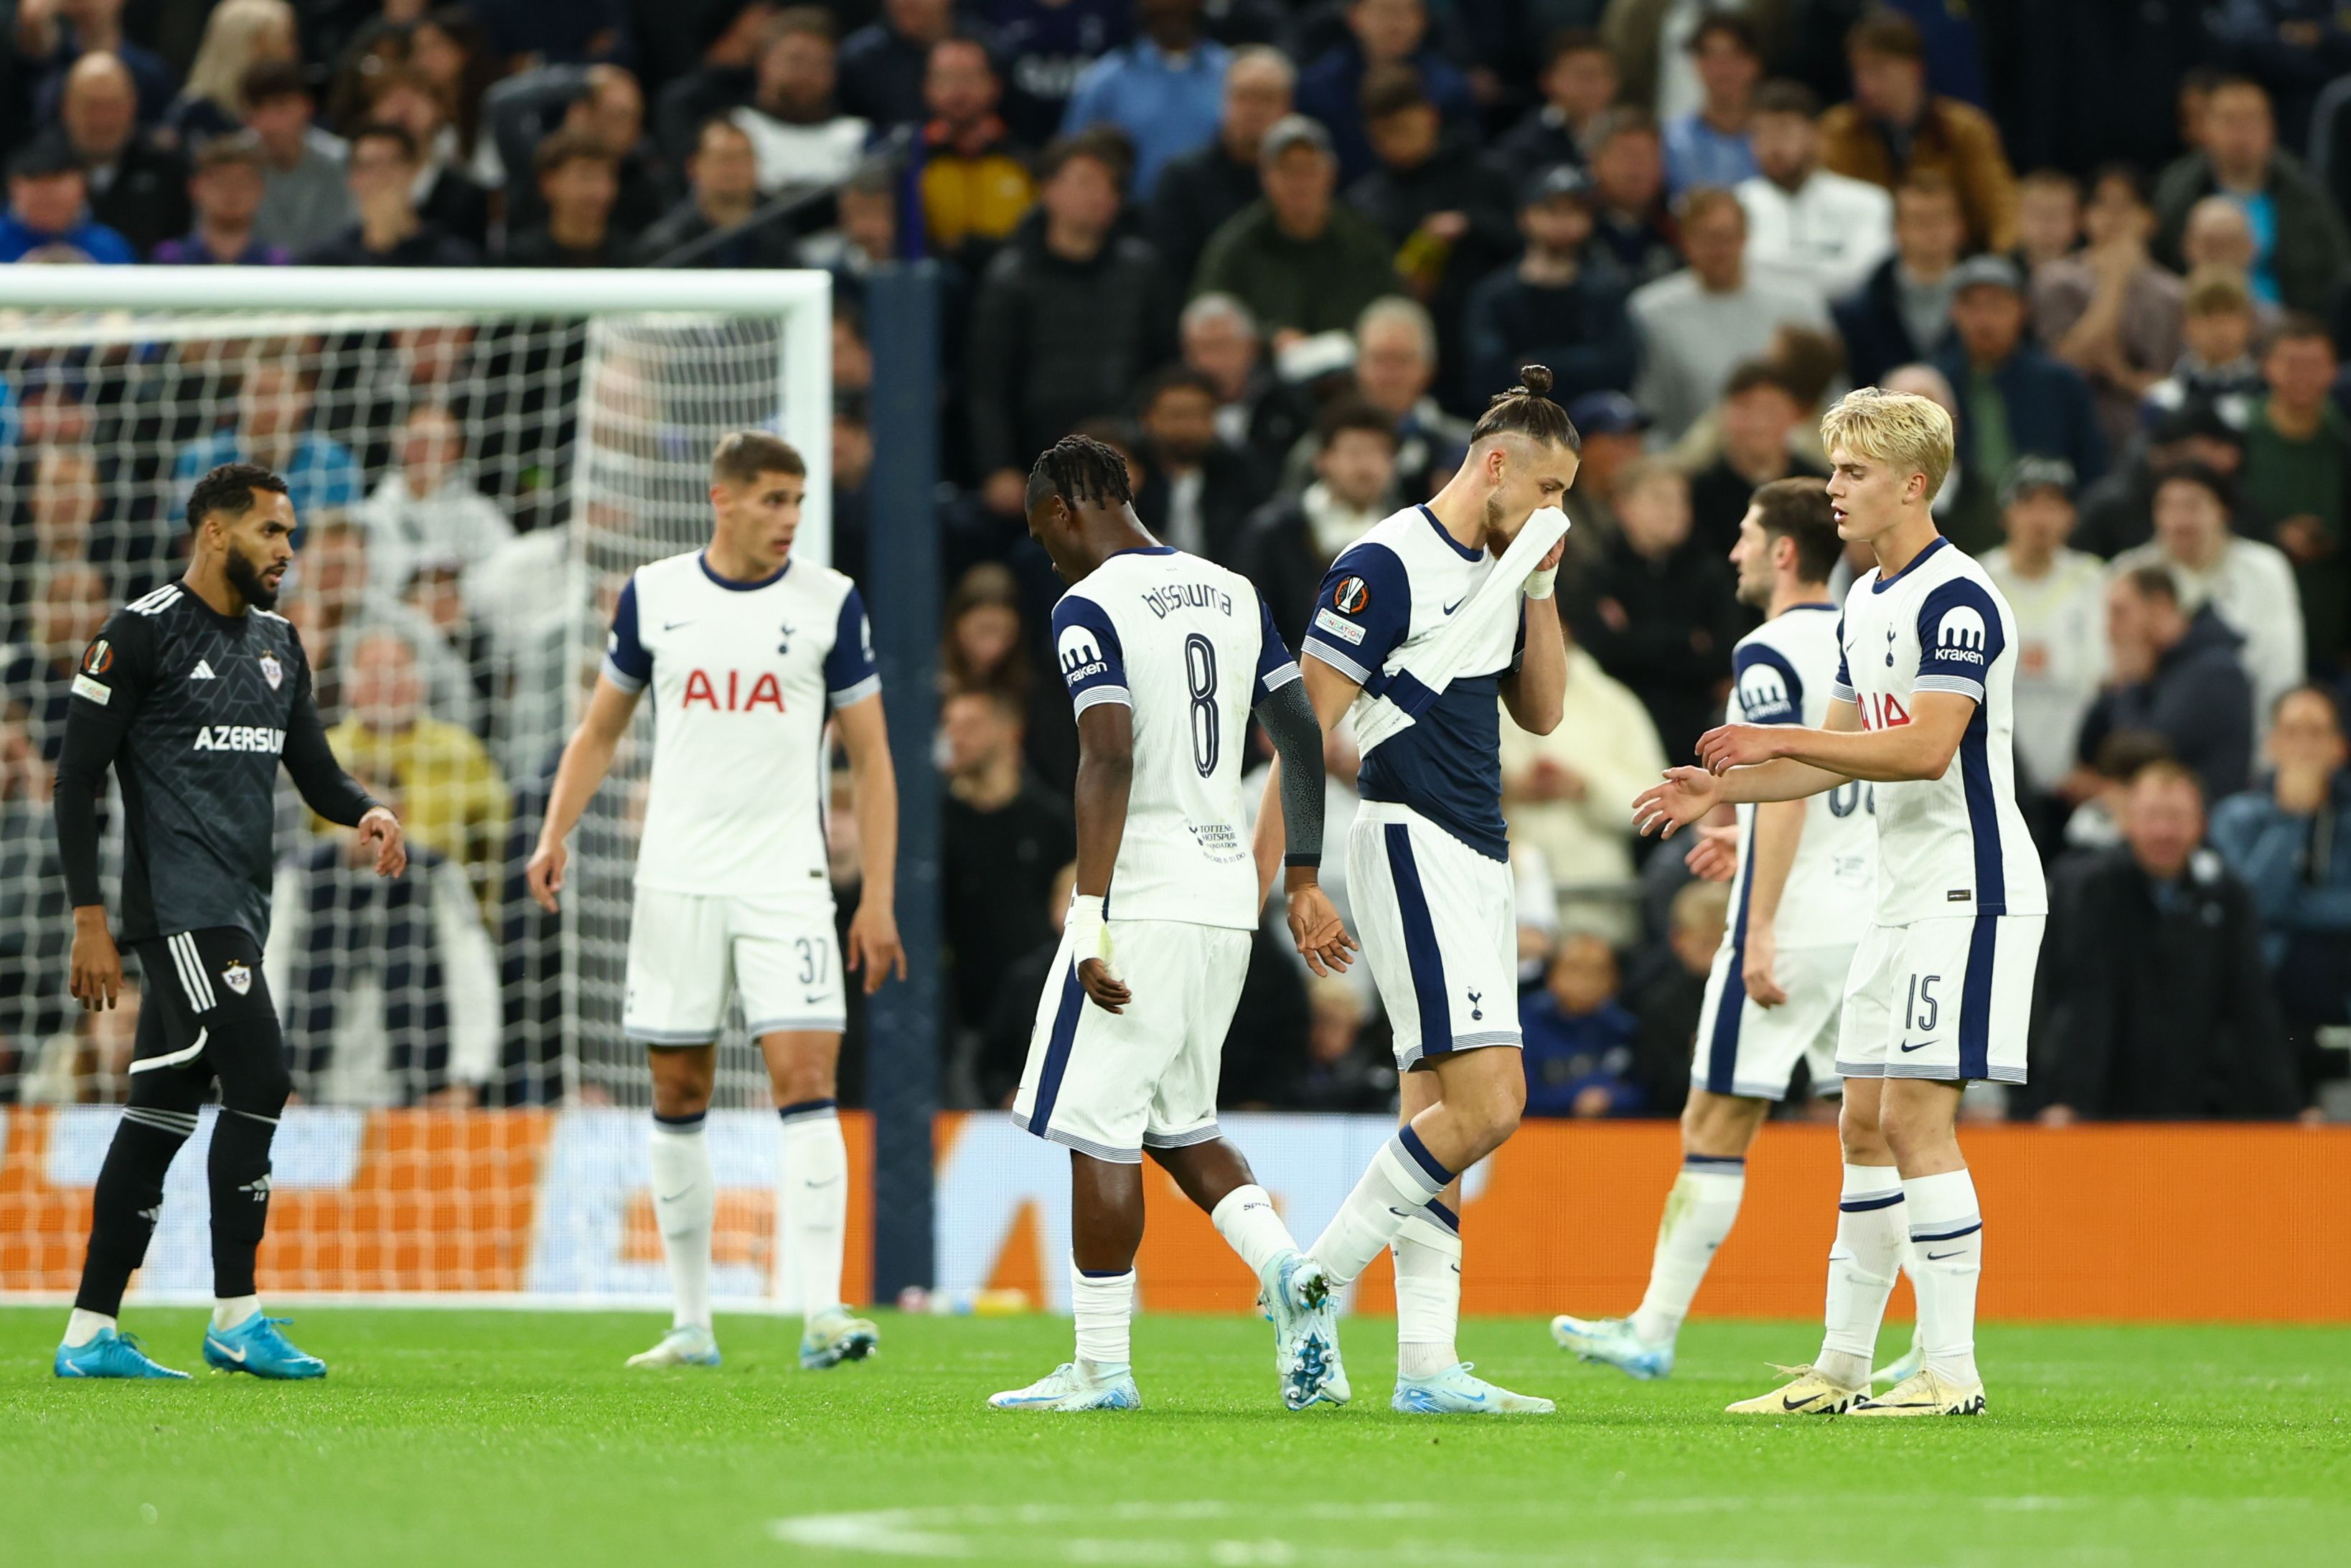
255	1346
109	1355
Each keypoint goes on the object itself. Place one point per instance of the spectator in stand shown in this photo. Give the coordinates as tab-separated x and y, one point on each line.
60	33
1631	224
446	196
2173	674
985	646
1300	264
456	804
2298	475
1003	839
1902	314
455	54
2109	311
2059	598
1048	44
1578	83
801	135
1379	32
1255	415
1069	317
724	80
137	188
428	507
1893	127
1199	494
2013	399
1291	543
2248	583
1701	323
388	985
2158	1007
1551	307
2290	839
388	233
974	183
1711	145
882	64
1448	213
1802	221
1668	990
1344	1074
1660	611
304	200
2216	368
867	234
70	605
225	190
1564	794
1198	191
238	34
1166	90
1579	1037
1615	431
2048	221
579	181
273	429
2118	512
2300	242
2219	237
1760	411
48	211
723	177
1395	366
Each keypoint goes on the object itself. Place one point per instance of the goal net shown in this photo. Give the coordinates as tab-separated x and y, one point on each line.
477	460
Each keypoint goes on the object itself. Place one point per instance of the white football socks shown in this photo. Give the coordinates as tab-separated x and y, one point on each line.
83	1327
1103	1306
1699	1211
686	1203
230	1310
1427	1291
1947	1237
816	1205
1252	1227
1870	1236
1398	1183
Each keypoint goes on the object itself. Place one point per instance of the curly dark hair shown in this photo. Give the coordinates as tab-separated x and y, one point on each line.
1080	468
230	488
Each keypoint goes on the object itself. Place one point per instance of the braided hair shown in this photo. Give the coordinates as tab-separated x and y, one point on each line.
1527	410
1080	468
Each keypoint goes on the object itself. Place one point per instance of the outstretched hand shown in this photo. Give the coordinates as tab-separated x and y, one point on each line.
1322	937
1739	745
1684	796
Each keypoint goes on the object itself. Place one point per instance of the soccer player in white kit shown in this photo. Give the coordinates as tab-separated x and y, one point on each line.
1942	983
1165	656
1800	901
747	654
1428	869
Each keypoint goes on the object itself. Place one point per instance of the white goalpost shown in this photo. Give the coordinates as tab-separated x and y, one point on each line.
477	458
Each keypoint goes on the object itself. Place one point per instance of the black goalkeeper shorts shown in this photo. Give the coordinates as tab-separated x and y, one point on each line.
204	999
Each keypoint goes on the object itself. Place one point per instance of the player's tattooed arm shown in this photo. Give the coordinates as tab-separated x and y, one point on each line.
1105	777
872	950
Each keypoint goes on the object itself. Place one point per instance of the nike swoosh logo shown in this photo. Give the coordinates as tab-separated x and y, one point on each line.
1400	1213
1938	1257
237	1355
821	1185
673	625
1457	604
1788	1403
1922	1045
814	997
674	1196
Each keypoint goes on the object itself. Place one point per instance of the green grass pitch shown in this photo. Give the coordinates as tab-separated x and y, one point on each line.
455	1439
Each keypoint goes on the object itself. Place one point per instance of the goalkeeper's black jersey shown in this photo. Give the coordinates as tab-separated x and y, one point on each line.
192	708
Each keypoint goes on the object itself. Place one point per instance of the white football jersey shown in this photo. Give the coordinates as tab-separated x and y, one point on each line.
1189	647
1954	845
743	677
1783	673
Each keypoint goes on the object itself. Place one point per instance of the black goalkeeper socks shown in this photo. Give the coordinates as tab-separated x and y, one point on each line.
127	1200
239	1172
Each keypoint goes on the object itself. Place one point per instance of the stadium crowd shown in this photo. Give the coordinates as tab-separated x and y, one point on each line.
1279	255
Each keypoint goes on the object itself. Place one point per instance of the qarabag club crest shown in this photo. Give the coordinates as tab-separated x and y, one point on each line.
272	670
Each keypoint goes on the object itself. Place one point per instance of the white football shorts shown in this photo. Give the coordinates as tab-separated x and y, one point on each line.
1949	998
1112	1084
690	953
1751	1050
1439	925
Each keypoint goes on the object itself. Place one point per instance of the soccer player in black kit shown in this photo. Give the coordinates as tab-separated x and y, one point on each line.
192	695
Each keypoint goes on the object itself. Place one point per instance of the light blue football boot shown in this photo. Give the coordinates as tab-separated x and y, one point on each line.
1298	1297
1612	1342
255	1346
109	1355
1068	1388
835	1335
1453	1391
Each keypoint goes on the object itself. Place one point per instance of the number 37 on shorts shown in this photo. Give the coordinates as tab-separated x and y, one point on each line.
1949	999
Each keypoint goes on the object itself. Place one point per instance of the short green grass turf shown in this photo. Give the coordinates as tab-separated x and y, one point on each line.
455	1439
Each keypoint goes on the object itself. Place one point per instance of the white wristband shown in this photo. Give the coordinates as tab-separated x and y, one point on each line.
1541	583
1089	934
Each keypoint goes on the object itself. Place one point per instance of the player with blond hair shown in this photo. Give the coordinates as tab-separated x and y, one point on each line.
1942	981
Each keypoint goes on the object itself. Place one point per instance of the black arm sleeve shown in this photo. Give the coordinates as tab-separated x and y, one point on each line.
1288	715
106	687
310	762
